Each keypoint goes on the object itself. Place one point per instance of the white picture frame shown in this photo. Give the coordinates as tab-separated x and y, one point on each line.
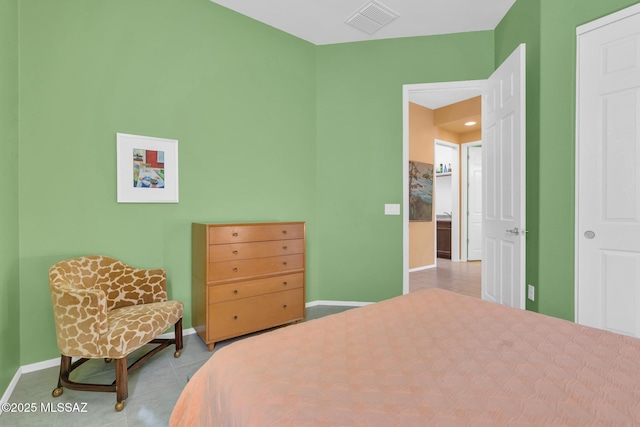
147	169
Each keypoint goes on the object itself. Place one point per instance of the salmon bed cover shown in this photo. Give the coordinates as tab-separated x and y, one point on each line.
431	357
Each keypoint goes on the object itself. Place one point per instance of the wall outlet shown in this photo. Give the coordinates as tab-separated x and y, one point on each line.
531	292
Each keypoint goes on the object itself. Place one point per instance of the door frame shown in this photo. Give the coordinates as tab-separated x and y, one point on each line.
581	30
407	91
464	230
455	198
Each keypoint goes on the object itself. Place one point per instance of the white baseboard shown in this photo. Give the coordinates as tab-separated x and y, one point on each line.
188	331
9	390
426	267
38	366
339	303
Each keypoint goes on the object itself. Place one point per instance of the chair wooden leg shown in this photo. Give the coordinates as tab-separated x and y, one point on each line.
178	334
65	369
122	387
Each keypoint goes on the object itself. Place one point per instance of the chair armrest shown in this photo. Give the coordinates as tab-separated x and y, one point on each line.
81	319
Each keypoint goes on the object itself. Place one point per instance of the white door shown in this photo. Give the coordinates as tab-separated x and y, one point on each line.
503	185
608	173
474	203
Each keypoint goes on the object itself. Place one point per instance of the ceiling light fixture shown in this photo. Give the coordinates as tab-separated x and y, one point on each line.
470	123
371	17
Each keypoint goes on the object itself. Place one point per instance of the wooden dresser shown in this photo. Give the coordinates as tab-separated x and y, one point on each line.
246	277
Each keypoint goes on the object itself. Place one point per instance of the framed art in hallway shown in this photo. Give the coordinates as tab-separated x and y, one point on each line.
420	191
147	169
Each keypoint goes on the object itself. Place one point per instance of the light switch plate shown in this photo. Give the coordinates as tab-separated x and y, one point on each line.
392	209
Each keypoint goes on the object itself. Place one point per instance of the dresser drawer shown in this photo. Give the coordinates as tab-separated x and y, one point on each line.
233	318
229	270
250	288
255	232
236	251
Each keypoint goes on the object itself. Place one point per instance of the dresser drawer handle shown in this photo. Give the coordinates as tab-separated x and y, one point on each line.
235	234
284	306
235	269
235	317
235	252
285	248
235	291
284	231
284	283
284	263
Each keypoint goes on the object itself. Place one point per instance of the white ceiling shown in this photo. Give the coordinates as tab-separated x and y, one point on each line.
323	21
439	99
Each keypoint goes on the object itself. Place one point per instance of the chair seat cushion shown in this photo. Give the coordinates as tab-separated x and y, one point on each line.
133	326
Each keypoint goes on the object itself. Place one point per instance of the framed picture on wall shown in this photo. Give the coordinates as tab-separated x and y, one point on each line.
420	191
147	169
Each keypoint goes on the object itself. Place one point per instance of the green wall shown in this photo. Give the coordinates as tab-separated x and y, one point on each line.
270	128
238	95
9	243
359	154
551	137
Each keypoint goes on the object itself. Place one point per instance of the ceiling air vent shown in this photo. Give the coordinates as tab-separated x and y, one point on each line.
371	17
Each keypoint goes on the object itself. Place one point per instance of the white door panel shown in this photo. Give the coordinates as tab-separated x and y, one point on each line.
489	270
503	169
509	294
620	294
608	176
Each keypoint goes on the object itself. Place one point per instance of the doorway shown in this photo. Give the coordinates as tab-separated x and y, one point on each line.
434	96
503	187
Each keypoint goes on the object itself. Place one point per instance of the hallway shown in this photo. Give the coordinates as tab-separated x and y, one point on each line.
460	277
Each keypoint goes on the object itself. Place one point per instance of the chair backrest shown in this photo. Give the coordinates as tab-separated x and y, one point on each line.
122	284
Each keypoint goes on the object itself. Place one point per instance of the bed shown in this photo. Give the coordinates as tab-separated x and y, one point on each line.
431	357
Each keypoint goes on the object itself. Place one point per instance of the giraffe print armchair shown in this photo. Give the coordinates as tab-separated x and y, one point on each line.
105	309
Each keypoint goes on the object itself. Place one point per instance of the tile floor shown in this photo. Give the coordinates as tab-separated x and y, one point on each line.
460	277
154	388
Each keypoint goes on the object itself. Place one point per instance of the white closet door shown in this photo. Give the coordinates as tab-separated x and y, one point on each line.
608	174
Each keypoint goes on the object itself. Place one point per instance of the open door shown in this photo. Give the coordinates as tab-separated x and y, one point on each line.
503	184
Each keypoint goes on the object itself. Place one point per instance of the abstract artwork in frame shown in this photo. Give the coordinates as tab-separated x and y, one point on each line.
147	169
420	191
